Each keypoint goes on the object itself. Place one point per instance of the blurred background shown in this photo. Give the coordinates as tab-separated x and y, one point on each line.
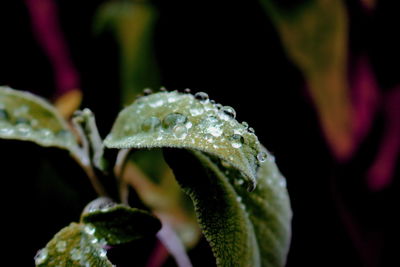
318	80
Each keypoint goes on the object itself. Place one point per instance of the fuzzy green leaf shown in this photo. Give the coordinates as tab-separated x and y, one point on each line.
24	116
74	245
243	228
117	223
172	119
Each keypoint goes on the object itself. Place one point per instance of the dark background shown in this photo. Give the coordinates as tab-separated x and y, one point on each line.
231	50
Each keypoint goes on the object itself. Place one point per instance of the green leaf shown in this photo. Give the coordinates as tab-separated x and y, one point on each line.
172	119
74	245
117	223
243	228
24	116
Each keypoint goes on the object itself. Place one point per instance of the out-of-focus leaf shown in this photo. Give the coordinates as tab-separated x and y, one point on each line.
24	116
132	22
147	172
314	35
74	245
172	119
69	102
117	223
243	229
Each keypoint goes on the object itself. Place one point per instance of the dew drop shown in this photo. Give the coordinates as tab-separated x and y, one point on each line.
157	103
94	241
4	114
173	119
151	124
251	130
212	101
237	140
163	89
187	91
180	131
218	106
238	199
90	230
262	156
282	182
147	91
21	120
229	111
6	131
103	253
214	130
41	256
23	129
46	133
188	125
196	110
75	254
245	125
61	246
201	96
172	98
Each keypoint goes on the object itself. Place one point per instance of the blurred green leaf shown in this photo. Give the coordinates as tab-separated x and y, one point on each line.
315	37
132	22
74	245
148	173
243	229
24	116
117	223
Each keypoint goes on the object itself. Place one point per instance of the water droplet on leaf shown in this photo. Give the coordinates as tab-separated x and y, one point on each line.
229	111
41	256
157	103
151	124
201	96
75	254
214	130
173	119
61	246
90	230
180	131
21	120
237	140
196	110
262	156
147	91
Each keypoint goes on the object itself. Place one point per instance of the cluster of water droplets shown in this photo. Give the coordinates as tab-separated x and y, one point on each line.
183	118
88	248
19	123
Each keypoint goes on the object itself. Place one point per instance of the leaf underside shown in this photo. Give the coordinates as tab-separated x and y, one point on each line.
26	117
243	228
